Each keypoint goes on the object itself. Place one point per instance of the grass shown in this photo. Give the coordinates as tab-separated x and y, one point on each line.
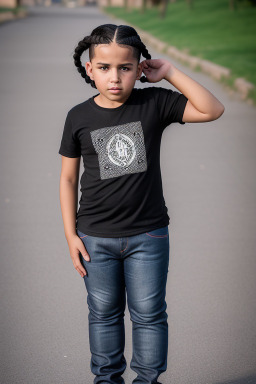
210	30
13	10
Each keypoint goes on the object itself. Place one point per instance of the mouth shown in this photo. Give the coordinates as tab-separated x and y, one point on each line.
115	90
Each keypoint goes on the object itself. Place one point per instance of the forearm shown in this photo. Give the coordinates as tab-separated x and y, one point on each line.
202	99
68	202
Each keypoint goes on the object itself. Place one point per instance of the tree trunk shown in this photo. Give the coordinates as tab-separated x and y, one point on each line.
143	6
233	5
163	8
190	4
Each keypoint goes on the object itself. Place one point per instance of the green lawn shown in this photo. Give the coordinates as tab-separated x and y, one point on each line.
210	30
14	10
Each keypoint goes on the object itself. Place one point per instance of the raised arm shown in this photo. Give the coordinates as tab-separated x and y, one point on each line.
201	106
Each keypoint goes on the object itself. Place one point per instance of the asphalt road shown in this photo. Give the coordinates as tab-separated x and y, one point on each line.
208	172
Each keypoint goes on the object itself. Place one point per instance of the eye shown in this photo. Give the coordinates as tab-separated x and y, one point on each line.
104	66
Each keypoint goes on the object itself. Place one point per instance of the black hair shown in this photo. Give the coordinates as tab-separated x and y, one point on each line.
105	34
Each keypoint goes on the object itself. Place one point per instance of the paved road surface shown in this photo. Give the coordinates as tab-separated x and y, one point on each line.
209	184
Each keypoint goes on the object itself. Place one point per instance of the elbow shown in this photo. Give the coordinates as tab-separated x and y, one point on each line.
70	180
219	111
222	109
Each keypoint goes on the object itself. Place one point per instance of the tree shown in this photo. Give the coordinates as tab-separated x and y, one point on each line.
144	6
163	8
233	4
190	3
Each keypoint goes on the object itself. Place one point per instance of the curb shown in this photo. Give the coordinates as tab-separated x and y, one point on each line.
243	86
214	70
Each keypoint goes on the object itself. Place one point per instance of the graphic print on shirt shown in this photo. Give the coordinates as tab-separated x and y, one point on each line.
121	149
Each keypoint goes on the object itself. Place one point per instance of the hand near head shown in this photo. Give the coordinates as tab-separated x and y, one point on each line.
156	69
76	246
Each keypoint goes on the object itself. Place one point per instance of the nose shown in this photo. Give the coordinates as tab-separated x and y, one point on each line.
114	75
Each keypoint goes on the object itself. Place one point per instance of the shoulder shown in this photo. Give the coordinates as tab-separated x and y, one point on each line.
154	92
147	94
78	108
147	90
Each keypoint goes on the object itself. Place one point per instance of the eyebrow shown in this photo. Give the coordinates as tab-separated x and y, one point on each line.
120	64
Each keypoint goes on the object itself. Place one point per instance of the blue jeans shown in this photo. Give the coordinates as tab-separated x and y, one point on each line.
136	265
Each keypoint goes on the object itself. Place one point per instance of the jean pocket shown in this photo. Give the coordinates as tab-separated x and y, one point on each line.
159	233
81	234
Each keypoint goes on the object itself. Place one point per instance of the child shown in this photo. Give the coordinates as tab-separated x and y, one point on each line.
119	238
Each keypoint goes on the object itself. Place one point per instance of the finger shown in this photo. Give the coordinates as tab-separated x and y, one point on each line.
82	273
150	61
80	269
85	254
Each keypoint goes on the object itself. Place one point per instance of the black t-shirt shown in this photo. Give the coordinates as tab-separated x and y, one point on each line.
121	184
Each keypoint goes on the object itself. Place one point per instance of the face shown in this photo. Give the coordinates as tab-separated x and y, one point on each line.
113	66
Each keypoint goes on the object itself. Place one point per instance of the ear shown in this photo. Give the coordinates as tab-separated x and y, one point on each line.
88	67
139	71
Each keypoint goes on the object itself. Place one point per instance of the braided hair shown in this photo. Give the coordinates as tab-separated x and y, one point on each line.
105	34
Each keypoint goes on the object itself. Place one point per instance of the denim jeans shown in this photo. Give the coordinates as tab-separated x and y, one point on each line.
136	266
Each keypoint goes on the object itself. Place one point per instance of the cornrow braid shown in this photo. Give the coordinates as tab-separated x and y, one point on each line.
105	34
82	46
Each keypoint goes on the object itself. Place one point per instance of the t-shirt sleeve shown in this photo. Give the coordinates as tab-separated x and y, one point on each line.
170	104
70	146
